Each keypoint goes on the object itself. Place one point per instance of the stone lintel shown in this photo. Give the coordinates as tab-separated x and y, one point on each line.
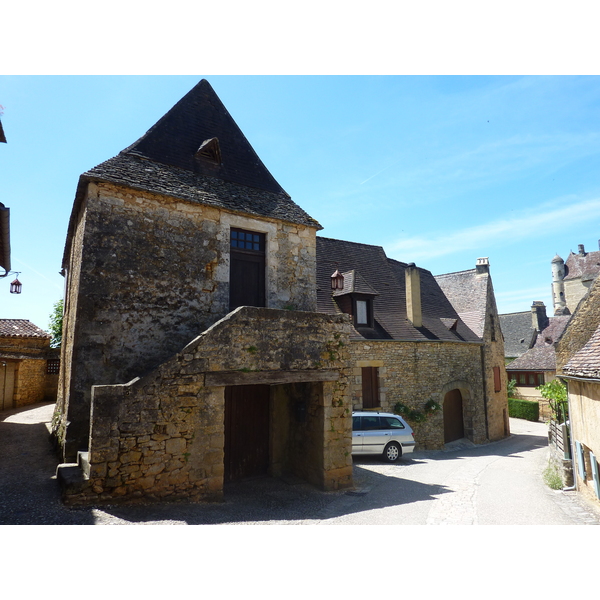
223	378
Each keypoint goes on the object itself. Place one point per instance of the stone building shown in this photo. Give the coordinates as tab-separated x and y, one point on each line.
471	293
411	345
571	279
578	363
192	351
529	340
28	366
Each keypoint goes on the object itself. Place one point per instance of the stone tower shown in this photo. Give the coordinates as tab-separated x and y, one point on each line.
558	285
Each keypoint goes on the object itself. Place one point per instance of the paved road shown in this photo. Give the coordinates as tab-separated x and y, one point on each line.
496	484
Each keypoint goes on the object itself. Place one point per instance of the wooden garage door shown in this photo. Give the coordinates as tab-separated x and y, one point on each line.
453	416
246	431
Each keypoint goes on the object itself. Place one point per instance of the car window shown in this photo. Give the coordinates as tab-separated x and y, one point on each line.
392	423
370	423
356	426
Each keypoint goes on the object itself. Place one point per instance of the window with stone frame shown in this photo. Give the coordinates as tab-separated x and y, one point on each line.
247	268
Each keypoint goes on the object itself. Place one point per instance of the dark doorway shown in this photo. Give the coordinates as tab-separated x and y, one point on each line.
247	269
7	384
454	428
246	431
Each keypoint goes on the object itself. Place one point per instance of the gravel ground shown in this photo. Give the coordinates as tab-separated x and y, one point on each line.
29	492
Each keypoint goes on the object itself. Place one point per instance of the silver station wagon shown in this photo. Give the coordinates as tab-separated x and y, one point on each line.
381	433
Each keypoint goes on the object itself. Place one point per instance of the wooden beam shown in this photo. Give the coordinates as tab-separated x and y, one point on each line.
223	378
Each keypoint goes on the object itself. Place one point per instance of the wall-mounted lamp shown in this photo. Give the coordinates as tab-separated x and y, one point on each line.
16	285
337	281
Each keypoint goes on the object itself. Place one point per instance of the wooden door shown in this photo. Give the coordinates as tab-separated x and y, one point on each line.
247	269
247	281
453	416
370	387
7	384
246	431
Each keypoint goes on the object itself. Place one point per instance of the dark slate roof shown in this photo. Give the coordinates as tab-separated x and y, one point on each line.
467	291
197	152
585	266
140	173
519	335
386	277
21	328
586	362
535	359
200	116
542	356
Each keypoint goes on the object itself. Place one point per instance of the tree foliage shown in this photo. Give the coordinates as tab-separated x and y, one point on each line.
56	324
556	393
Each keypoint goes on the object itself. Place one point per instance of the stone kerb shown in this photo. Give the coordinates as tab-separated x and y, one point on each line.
162	437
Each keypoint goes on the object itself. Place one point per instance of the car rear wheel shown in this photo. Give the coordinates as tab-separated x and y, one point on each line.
392	452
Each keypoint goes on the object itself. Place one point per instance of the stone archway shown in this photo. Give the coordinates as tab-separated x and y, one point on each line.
456	399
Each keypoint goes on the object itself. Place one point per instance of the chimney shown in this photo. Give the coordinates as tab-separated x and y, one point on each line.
539	320
413	295
483	265
581	250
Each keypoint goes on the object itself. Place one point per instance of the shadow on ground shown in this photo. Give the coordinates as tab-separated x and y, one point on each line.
29	492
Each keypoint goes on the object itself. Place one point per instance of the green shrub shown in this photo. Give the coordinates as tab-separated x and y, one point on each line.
524	409
552	477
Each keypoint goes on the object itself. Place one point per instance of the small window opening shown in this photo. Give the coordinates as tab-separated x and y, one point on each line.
210	151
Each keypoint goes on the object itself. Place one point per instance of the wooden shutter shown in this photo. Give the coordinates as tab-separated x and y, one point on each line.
370	387
497	381
595	476
580	459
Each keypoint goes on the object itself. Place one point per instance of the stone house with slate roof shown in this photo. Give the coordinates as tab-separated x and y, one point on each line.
578	363
471	293
409	344
28	366
530	338
193	353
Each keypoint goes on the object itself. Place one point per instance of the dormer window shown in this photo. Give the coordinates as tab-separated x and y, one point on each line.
363	311
356	299
210	151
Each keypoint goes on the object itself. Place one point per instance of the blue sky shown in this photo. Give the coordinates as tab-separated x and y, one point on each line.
439	170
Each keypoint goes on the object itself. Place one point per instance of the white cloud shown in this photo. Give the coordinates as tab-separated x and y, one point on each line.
534	222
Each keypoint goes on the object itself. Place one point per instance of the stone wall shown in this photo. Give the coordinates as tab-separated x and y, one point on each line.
415	372
575	290
148	273
162	436
584	414
31	382
584	396
493	357
580	327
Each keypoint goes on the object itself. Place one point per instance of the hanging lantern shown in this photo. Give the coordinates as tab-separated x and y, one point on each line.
337	281
15	287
